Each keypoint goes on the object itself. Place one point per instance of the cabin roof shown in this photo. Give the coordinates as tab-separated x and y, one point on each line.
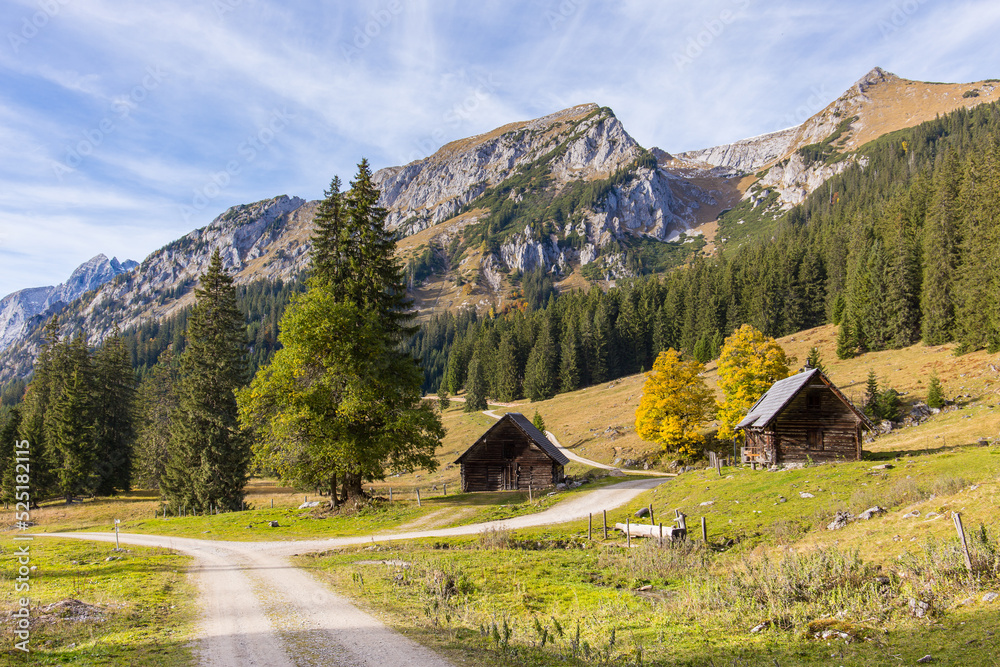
782	392
524	425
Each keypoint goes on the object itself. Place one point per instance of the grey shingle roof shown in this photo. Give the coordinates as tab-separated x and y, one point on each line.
771	403
529	429
538	437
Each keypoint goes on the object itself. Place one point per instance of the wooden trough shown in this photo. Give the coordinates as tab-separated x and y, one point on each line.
660	532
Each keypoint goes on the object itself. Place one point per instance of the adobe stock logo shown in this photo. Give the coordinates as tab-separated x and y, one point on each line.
246	152
711	30
121	109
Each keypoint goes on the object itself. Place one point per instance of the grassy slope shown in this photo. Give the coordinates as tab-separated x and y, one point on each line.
145	601
779	545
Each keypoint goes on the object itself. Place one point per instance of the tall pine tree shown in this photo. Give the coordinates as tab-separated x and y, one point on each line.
209	458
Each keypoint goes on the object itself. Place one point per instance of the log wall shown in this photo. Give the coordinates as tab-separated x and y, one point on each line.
506	459
816	425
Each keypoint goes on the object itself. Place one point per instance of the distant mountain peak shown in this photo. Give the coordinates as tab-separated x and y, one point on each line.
874	77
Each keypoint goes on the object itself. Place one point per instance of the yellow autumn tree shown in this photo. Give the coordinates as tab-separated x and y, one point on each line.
675	404
749	364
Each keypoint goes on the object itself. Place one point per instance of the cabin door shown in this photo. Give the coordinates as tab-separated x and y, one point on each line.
510	477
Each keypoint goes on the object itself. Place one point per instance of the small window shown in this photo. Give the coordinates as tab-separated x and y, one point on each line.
814	400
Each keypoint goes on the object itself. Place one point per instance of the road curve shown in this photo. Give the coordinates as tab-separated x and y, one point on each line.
258	609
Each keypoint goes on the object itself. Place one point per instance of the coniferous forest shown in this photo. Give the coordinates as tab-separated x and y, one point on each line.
901	247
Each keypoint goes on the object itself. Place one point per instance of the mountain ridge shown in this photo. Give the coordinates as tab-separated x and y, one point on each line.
567	193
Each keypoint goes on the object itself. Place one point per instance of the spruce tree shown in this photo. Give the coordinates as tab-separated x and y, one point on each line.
508	382
538	422
114	415
539	373
871	406
939	257
935	393
70	421
156	400
37	405
814	360
570	361
209	456
475	386
10	424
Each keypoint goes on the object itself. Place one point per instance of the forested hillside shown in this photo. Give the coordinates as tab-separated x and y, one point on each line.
898	248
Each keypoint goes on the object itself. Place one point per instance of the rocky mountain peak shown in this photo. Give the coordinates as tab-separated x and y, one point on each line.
876	76
590	140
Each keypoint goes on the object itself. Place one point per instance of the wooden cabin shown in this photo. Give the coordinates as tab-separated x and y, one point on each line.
803	417
511	455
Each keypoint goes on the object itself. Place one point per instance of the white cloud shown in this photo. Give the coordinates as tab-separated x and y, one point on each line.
393	80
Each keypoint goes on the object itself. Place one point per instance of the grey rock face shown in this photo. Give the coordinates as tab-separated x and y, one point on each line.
18	309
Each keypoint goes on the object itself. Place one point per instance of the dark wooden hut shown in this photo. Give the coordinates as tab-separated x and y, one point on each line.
511	455
803	417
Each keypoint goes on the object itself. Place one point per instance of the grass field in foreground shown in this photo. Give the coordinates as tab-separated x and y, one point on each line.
139	607
516	598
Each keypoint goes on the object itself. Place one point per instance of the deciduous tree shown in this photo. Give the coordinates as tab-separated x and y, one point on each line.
748	365
676	403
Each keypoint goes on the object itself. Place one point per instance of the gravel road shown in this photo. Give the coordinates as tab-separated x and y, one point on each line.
258	609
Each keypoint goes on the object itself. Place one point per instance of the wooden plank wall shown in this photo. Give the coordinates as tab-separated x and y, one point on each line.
835	428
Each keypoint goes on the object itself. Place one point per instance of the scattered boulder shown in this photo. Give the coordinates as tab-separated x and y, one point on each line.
707	503
882	580
782	499
615	472
311	503
805	494
71	609
883	466
840	520
561	486
924	660
273	524
760	626
919	608
911	515
990	597
871	512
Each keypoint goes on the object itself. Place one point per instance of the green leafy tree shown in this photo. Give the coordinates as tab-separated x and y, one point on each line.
208	463
340	403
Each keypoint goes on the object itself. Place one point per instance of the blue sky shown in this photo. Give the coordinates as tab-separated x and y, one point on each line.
125	125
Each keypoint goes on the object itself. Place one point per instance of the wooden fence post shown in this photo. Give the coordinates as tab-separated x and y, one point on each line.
390	494
446	489
529	493
418	496
605	524
652	522
272	503
661	533
590	526
704	531
628	532
961	536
